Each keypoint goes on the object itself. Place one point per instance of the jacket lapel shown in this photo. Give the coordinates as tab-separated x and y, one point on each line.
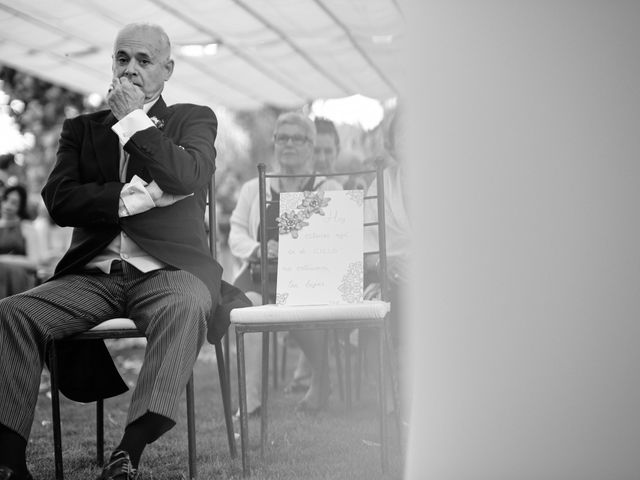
107	147
159	111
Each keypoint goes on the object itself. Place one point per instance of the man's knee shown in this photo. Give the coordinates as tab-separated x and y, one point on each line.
194	303
183	310
14	315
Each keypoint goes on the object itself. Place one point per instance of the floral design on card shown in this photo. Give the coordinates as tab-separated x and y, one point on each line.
291	222
294	220
313	202
281	298
356	195
351	285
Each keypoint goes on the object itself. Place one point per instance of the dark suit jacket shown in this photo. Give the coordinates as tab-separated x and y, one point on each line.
83	191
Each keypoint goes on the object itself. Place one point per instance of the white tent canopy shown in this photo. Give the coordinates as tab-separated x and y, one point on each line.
278	52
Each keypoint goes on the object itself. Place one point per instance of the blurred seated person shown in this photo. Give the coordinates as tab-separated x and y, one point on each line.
327	146
398	227
54	241
360	181
398	235
294	137
19	247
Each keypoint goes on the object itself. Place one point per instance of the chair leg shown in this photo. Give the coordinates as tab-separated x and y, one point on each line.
242	393
393	369
283	361
347	370
274	339
384	454
265	392
191	429
359	366
325	385
227	356
225	386
55	411
338	349
100	432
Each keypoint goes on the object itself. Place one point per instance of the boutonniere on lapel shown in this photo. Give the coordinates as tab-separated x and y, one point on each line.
159	123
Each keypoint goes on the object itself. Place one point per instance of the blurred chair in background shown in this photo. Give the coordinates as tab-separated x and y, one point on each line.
316	315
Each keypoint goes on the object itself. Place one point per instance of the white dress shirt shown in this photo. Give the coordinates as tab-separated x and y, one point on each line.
134	200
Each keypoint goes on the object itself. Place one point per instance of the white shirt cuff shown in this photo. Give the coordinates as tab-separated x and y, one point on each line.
135	198
130	124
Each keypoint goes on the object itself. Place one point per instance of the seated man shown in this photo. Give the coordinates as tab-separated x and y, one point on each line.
132	181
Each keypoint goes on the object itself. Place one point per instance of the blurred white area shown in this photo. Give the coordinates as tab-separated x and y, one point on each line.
11	140
354	110
526	183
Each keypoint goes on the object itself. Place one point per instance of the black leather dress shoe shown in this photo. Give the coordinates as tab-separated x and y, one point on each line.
7	473
119	467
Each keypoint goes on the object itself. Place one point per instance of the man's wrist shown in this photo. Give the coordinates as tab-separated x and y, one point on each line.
136	199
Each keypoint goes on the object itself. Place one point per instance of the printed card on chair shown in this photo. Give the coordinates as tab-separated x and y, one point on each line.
320	248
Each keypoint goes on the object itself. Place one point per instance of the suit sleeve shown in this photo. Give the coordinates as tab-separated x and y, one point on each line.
73	195
186	165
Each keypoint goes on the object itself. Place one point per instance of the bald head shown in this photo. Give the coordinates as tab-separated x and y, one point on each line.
154	35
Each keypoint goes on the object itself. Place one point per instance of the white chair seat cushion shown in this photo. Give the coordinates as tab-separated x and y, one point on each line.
368	309
115	324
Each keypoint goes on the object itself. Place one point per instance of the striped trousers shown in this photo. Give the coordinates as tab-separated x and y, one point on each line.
170	306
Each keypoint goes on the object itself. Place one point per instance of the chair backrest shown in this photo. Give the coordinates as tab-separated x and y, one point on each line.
212	217
371	196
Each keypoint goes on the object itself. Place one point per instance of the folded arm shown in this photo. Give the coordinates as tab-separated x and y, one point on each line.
77	194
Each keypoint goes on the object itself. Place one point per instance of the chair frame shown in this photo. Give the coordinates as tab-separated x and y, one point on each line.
222	358
265	327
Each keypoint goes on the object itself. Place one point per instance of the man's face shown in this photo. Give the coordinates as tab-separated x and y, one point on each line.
293	148
325	153
141	55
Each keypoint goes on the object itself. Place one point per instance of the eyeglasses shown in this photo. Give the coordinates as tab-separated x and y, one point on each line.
297	140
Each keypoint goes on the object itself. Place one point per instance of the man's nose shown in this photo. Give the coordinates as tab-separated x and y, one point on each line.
130	69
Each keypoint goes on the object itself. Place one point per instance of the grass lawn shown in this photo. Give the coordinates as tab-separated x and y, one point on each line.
329	445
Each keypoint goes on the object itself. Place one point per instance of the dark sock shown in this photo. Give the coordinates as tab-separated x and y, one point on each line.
13	449
146	429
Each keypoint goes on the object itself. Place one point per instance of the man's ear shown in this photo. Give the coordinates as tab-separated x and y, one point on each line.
168	68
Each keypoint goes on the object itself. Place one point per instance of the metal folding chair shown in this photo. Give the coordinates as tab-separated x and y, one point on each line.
119	328
268	318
